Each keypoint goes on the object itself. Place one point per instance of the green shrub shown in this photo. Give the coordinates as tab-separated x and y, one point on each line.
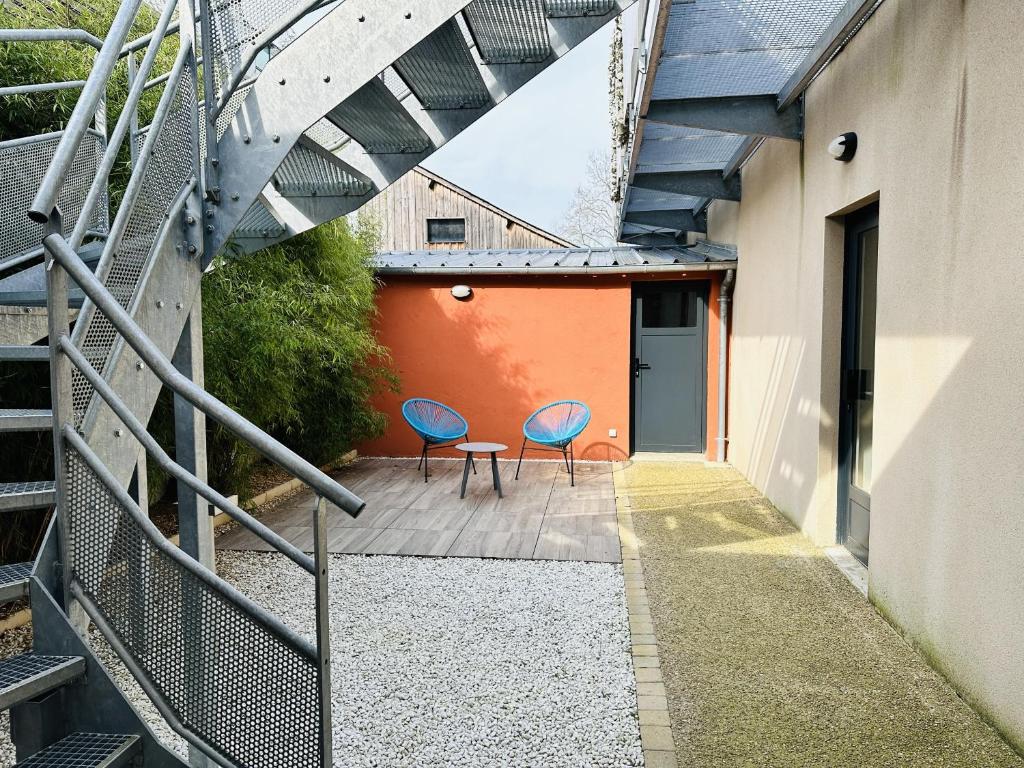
23	63
289	344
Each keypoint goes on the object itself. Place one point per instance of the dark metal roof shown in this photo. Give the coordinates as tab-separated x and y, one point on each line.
702	255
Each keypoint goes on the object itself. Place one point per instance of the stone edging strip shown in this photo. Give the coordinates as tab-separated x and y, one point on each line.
652	703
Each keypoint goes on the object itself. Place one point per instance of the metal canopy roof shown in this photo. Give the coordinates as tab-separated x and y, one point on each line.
723	75
558	261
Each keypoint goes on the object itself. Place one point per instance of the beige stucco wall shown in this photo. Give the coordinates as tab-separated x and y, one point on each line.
933	89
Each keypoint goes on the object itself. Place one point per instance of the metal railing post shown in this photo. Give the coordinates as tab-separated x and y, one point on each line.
60	391
133	121
323	629
211	177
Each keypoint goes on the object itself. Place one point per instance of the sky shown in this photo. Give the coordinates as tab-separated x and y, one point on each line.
528	154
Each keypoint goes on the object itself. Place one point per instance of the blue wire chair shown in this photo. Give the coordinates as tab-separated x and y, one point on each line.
436	424
554	427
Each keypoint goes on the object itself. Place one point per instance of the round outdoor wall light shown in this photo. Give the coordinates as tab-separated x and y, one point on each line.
844	147
462	292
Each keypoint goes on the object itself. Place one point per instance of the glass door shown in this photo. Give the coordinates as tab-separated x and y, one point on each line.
858	378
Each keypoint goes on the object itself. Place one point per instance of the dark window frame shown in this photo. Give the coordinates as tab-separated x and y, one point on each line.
447	220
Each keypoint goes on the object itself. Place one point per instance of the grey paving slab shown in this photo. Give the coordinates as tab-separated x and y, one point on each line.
351	541
396	541
506	544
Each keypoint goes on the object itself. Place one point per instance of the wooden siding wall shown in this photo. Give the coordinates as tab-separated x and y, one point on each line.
403	210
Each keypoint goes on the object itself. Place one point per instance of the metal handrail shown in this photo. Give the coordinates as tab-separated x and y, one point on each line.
85	110
174	469
55	35
65	255
99	184
18	90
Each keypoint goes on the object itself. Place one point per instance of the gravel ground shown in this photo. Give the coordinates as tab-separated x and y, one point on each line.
770	657
465	662
452	662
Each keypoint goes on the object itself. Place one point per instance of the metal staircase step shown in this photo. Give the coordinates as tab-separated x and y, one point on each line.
311	171
21	354
14	581
28	675
440	71
375	118
25	420
87	750
509	31
38	298
31	495
28	287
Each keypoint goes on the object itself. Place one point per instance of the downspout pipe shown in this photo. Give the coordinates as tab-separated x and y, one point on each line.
724	297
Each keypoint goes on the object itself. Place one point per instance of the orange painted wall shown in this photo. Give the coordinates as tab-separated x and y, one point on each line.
520	342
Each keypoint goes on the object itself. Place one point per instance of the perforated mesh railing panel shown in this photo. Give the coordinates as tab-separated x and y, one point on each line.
441	73
234	25
326	134
23	163
509	31
226	677
716	48
169	169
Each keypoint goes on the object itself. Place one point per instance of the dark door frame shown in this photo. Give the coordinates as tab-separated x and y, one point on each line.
856	224
637	288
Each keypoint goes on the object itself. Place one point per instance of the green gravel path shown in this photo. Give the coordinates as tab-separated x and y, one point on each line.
770	657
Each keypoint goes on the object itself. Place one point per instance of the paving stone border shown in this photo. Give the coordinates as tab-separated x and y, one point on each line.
652	703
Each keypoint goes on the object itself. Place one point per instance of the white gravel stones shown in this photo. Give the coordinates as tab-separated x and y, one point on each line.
457	661
465	662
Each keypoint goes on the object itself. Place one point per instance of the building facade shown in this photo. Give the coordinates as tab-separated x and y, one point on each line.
876	336
423	211
634	333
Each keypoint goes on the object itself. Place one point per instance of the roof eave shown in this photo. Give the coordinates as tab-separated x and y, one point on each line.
705	266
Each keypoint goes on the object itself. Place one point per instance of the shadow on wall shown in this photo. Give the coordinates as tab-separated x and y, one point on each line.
494	358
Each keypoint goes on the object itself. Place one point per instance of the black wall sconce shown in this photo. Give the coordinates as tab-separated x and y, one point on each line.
844	147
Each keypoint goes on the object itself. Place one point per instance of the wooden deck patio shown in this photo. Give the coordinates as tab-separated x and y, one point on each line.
540	518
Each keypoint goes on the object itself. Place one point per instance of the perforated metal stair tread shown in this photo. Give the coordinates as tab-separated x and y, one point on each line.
25	419
28	675
87	750
14	353
14	581
16	496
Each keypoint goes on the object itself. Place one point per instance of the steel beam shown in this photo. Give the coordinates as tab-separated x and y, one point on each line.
750	115
836	36
679	220
697	183
195	526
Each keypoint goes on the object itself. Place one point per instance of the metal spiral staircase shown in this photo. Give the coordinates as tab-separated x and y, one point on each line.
311	108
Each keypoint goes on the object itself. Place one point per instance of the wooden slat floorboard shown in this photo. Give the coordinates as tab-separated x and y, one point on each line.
540	517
